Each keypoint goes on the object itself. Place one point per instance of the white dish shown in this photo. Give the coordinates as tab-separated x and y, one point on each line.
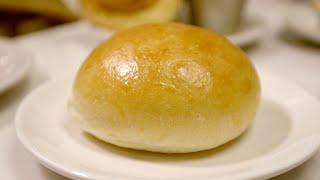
251	31
14	65
304	22
284	134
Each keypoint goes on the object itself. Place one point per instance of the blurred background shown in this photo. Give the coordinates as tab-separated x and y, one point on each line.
20	17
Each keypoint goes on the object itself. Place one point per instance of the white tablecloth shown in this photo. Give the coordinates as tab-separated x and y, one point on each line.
58	52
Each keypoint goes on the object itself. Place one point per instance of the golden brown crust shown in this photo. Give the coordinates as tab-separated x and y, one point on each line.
126	5
180	85
55	8
151	11
316	5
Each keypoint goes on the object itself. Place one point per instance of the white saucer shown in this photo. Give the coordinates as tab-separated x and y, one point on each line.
14	65
304	22
284	134
251	31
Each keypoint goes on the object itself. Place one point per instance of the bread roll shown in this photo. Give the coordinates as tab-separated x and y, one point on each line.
316	5
169	88
126	5
122	14
50	8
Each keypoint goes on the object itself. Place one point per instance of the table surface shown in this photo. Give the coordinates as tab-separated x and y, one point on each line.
278	52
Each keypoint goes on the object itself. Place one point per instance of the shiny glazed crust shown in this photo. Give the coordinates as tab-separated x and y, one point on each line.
168	87
158	11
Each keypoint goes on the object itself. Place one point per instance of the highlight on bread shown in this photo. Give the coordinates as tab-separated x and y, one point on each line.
166	87
122	14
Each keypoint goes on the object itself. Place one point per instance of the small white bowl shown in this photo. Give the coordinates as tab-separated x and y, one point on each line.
284	134
15	62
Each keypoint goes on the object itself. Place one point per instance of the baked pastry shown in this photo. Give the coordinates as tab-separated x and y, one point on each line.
122	14
126	5
166	87
18	17
316	5
50	8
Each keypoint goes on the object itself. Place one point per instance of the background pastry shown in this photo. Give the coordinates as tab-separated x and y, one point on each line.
168	87
316	4
18	17
126	13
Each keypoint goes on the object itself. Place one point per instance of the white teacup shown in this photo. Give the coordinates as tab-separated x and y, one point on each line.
222	16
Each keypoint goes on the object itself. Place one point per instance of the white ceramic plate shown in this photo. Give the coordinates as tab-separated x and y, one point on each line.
251	31
285	133
304	22
14	64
